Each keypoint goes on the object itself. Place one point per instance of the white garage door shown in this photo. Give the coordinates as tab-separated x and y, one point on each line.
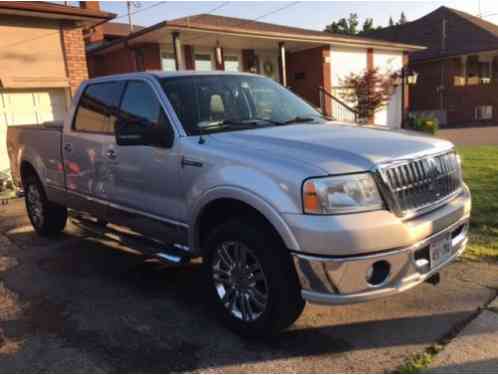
20	107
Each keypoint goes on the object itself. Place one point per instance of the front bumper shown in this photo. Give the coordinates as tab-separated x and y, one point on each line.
343	279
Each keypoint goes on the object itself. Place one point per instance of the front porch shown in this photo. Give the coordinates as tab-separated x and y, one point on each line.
294	63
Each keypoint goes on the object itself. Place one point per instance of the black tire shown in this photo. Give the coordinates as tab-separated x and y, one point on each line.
284	303
47	218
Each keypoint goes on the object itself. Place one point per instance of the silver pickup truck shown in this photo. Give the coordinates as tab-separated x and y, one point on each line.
282	205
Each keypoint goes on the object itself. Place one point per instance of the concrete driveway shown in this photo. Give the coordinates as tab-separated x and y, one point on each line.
472	136
76	304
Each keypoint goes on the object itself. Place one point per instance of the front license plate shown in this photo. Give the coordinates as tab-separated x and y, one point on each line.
440	250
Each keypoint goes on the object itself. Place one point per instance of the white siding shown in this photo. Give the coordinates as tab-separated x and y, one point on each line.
345	61
389	61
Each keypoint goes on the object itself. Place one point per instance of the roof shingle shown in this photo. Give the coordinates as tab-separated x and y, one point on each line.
464	34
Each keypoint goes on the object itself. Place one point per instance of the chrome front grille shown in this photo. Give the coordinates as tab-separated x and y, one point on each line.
419	184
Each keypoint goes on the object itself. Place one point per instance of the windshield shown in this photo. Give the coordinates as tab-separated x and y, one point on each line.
215	103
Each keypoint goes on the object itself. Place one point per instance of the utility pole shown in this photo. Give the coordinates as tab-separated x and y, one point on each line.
130	24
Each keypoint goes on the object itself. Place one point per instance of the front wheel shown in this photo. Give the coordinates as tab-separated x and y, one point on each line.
252	281
46	217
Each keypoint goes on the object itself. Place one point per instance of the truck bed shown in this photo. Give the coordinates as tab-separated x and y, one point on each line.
41	146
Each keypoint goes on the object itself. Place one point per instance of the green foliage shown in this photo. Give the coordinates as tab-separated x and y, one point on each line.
426	124
349	25
391	22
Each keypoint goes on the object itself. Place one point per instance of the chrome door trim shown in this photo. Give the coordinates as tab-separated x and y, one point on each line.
130	210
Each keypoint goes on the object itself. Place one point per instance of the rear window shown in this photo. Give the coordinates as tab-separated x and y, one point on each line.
98	108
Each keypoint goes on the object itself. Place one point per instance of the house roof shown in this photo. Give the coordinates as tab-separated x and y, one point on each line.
118	29
42	9
251	28
465	34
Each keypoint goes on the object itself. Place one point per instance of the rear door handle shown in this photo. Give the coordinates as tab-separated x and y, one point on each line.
111	154
68	147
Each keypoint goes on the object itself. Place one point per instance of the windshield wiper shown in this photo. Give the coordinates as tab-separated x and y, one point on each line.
298	119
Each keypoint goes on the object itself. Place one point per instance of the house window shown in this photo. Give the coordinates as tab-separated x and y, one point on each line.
483	112
232	64
203	62
168	62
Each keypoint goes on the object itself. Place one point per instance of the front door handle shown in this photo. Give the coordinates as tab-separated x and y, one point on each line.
68	147
111	154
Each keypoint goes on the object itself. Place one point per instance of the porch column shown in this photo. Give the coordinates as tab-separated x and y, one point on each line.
326	80
219	59
464	69
282	66
405	91
370	66
177	48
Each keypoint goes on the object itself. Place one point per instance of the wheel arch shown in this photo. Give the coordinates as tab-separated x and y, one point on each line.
217	206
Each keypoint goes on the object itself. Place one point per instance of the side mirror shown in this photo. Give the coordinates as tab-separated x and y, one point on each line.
140	133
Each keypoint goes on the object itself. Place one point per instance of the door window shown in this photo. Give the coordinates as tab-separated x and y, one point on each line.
141	107
98	103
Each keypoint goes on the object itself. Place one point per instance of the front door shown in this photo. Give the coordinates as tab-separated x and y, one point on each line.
146	191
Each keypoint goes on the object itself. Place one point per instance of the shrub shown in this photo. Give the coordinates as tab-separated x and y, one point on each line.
426	124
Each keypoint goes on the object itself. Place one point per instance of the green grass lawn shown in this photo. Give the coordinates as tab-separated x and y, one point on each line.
480	167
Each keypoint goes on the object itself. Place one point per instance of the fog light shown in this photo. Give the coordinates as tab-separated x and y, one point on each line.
378	273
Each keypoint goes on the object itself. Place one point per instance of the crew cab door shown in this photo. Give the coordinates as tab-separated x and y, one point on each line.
146	194
85	146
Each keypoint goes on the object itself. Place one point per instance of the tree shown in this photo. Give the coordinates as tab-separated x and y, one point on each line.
347	26
368	91
391	22
368	25
402	19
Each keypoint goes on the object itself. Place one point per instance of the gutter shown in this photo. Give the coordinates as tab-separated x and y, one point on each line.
338	40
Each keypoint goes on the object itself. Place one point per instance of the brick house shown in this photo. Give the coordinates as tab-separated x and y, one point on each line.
458	72
301	59
42	61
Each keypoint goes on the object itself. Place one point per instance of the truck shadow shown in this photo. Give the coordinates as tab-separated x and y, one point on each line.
137	315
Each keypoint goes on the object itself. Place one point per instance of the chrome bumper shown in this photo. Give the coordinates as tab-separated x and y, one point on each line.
343	280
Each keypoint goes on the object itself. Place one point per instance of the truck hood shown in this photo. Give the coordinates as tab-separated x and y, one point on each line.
335	148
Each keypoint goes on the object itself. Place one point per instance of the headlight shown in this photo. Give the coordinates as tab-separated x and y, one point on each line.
341	194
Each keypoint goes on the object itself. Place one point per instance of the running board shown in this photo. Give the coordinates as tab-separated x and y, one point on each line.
175	254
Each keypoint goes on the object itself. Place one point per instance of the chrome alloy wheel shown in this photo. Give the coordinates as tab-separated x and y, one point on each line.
35	205
240	281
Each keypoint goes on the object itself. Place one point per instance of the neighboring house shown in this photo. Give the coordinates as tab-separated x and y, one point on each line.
303	60
42	62
458	73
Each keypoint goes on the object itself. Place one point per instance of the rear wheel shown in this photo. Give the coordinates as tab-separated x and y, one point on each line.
252	281
46	217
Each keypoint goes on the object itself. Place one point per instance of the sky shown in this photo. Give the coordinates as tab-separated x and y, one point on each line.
306	14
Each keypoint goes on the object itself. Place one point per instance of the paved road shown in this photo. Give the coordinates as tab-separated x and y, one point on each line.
74	304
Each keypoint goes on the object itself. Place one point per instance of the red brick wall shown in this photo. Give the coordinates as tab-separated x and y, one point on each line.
152	56
424	95
74	56
188	52
115	62
95	34
305	73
